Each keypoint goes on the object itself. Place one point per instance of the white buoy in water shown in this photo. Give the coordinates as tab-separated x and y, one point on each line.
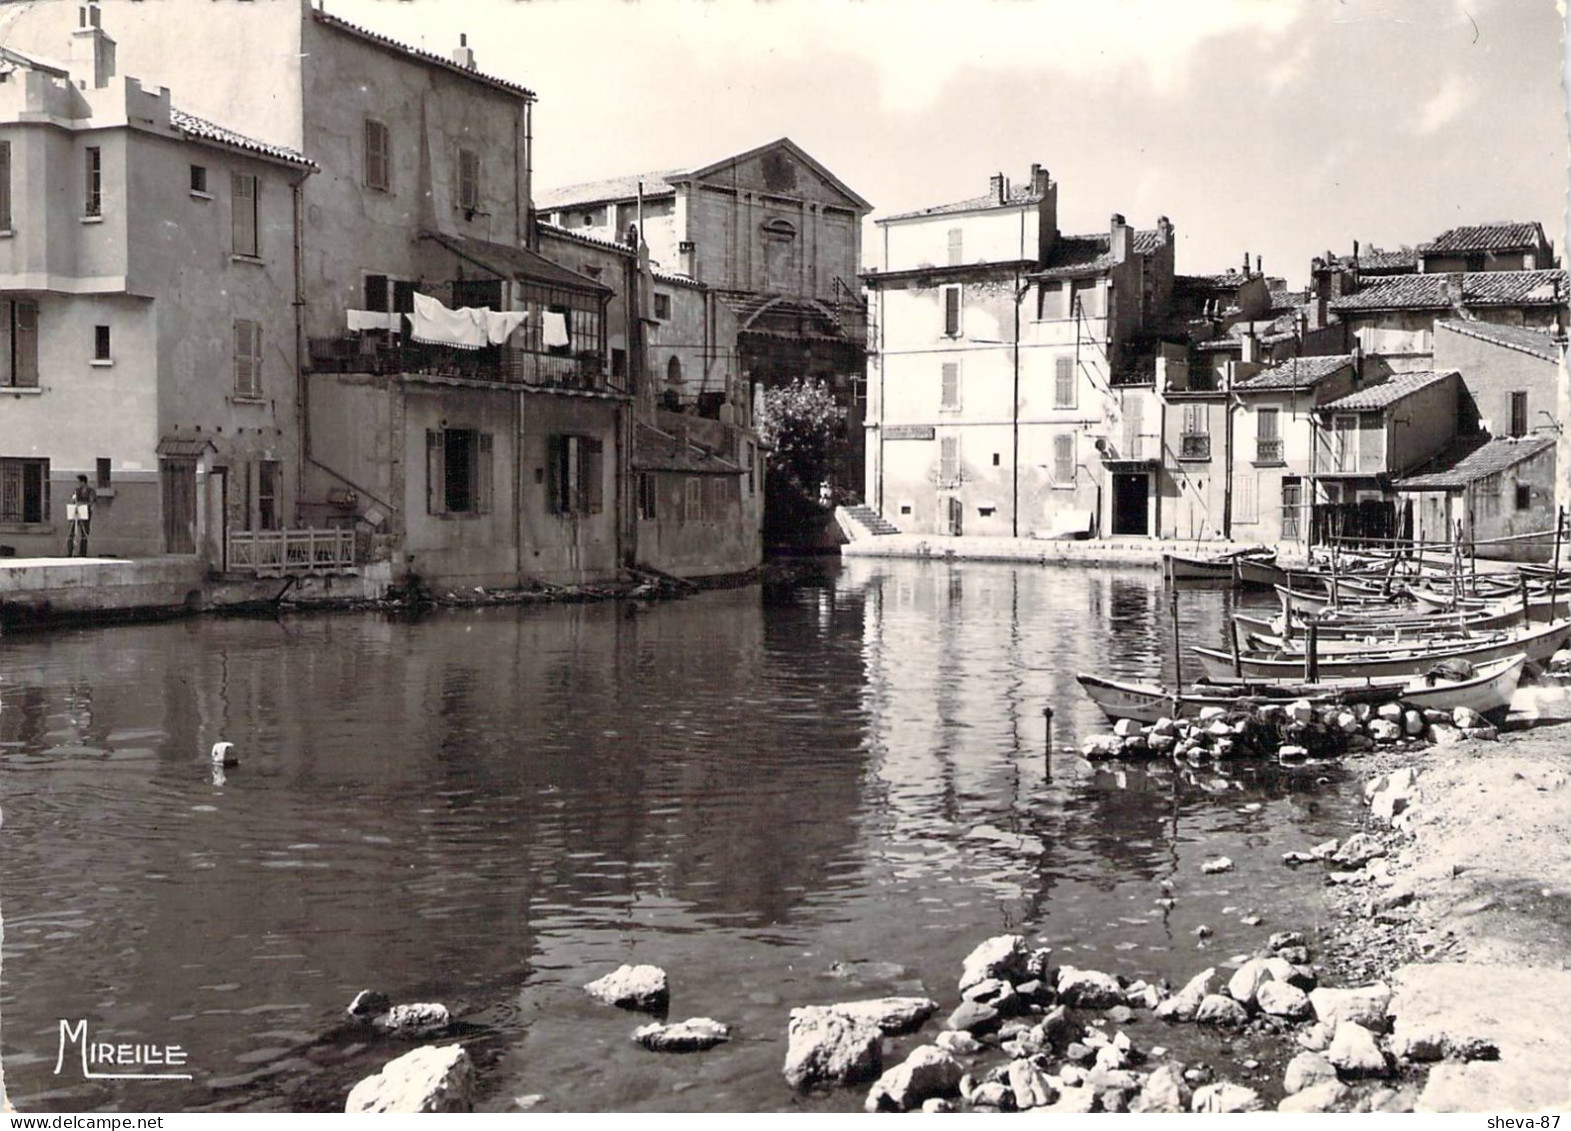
224	754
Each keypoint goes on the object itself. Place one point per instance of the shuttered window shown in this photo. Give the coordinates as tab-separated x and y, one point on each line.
459	472
956	246
1519	413
378	156
242	203
468	180
952	312
949	391
1064	458
1246	492
949	460
1063	382
93	193
248	358
5	186
575	475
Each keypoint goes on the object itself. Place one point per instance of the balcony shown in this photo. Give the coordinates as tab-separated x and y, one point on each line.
373	353
1268	449
1195	445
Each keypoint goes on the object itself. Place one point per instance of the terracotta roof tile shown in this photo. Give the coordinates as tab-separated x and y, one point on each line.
612	188
1501	236
1017	195
654	450
1468	460
1397	387
1520	338
393	45
1296	373
1477	288
192	126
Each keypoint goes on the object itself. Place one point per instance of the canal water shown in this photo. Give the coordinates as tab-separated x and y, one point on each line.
783	796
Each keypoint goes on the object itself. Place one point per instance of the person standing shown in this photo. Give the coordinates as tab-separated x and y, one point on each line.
79	515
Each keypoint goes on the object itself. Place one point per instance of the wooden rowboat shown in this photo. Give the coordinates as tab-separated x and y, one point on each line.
1182	567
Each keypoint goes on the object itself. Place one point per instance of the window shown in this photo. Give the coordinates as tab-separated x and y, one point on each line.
949	390
248	358
5	186
648	496
378	156
951	311
24	490
468	180
1050	301
1268	442
948	461
662	306
1519	413
1246	497
103	472
1195	442
752	464
101	343
1524	496
618	362
1084	298
956	246
242	204
457	471
22	358
1344	450
93	200
574	475
1292	500
1063	382
199	179
267	480
673	371
692	499
376	293
1064	459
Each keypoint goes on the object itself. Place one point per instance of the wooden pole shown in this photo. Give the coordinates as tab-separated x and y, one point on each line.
1526	618
1554	578
1178	662
1312	653
1047	742
1238	664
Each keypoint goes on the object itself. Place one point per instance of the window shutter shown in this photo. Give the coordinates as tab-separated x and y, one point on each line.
256	359
377	158
26	344
435	473
1064	382
242	202
556	474
1063	459
242	356
5	185
949	459
952	311
1247	487
949	394
956	246
483	471
589	476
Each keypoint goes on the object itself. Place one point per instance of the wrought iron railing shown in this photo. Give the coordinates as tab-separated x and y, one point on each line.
1268	450
492	363
1195	445
291	551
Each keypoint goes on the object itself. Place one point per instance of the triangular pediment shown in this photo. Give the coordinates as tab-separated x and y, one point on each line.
779	168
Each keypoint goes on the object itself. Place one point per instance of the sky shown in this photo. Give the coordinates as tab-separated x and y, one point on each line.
1281	128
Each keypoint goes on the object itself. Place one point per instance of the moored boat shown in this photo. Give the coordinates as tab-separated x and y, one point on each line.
1218	567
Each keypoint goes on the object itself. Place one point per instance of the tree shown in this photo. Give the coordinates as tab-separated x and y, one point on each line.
803	428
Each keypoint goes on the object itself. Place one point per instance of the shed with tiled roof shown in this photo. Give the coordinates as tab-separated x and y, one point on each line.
1471	459
1374	398
1296	373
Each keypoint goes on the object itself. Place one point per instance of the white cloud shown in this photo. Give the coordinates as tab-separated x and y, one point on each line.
1454	96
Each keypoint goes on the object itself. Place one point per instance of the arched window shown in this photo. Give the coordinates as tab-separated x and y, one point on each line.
673	371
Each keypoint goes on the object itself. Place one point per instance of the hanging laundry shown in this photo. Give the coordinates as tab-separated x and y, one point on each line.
371	320
554	332
500	324
435	323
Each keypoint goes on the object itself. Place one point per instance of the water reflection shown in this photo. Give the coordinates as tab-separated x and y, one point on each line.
490	807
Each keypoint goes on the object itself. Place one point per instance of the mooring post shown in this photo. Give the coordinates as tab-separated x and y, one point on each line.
1047	742
1526	616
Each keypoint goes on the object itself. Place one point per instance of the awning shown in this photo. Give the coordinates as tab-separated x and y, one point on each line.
510	262
1131	465
184	447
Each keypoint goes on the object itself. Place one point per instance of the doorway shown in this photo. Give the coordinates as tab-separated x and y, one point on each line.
1131	504
178	477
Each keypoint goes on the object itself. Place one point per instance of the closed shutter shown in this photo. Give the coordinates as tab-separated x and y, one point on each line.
590	475
435	473
26	345
245	365
484	465
556	474
949	459
1064	458
243	213
5	186
468	179
1063	382
1246	489
952	311
956	246
376	155
949	394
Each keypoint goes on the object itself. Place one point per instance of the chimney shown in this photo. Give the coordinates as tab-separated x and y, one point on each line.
1246	265
998	188
1039	180
1258	270
1250	353
92	52
1165	226
1121	238
463	54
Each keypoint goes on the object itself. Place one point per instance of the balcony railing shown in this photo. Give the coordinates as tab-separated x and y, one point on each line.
370	354
1268	450
1194	445
291	551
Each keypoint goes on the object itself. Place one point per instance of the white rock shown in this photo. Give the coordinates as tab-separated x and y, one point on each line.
1247	980
1413	723
414	1019
1358	849
1282	999
1391	712
893	1015
633	987
1088	989
1183	1005
1163	1091
1002	956
1301	711
826	1047
1305	1071
1216	864
1163	727
927	1073
1211	714
1029	1085
1099	747
1354	1052
1223	1098
1222	1012
1291	753
1382	730
1364	1005
1466	717
1126	728
958	1042
430	1079
1328	1095
1347	722
369	1003
693	1035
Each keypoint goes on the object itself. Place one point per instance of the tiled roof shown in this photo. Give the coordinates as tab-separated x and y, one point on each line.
390	44
1373	261
654	450
1371	398
1286	302
1528	341
514	262
1506	235
559	232
1017	195
1227	280
1478	288
1296	373
1469	460
192	126
1085	255
612	188
1148	240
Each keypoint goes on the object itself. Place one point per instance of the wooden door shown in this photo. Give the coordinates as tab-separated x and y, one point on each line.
178	480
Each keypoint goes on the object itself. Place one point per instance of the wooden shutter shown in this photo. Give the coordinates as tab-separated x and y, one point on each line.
949	393
949	459
484	465
1063	382
1063	458
1246	487
956	246
244	367
435	473
243	213
556	474
92	201
590	468
25	347
377	157
468	179
5	186
952	311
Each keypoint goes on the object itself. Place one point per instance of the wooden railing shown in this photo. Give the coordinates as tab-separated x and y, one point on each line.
291	551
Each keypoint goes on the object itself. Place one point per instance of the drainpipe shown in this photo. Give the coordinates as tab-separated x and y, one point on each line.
302	387
1227	455
1014	416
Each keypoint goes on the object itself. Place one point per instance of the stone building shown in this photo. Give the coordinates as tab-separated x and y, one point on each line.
146	328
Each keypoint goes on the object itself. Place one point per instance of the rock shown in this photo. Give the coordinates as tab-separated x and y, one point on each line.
368	1004
1413	723
1111	1057
1035	992
938	1105
974	1017
1222	1012
223	754
1392	712
958	1042
415	1019
1389	900
1002	956
1288	752
1481	733
1296	858
1393	795
1146	997
1299	957
1058	1030
1301	711
1183	1005
430	1079
1354	1052
1100	747
1382	730
1325	849
1444	734
1246	981
1218	864
993	1095
1386	1101
1465	717
1283	999
1161	743
1316	1038
1358	850
1203	932
1281	940
927	1073
1029	1085
867	970
893	1015
1421	1043
1219	729
1040	964
693	1035
1347	722
1114	1087
1224	1099
1121	1014
1163	1091
996	993
1360	742
1126	728
1328	1095
1364	1005
1164	726
1211	714
1305	1071
1561	660
1088	989
633	987
1079	1099
826	1047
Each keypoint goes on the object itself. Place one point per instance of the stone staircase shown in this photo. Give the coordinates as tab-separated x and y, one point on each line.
870	519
